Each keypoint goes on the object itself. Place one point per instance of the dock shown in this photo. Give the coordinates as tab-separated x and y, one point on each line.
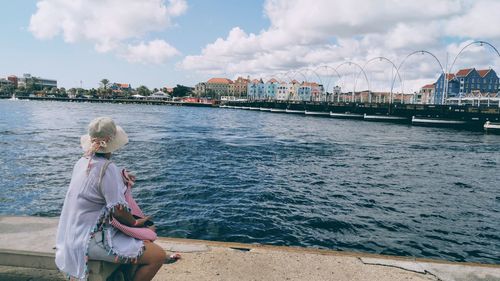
26	253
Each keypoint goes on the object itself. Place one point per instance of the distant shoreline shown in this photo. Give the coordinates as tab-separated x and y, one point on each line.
119	101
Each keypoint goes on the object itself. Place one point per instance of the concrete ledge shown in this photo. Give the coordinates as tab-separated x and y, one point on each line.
211	260
27	259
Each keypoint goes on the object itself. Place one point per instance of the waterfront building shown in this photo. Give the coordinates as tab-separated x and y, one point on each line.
476	98
293	90
13	79
120	89
200	89
332	97
240	86
219	86
271	88
311	91
256	89
37	82
282	91
426	94
5	82
464	82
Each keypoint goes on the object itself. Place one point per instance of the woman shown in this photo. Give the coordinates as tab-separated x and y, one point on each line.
94	197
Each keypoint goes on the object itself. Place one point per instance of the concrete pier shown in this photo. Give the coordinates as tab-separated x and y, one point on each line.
29	242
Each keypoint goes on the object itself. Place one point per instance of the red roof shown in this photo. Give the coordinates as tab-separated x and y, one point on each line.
242	80
464	72
450	76
220	81
272	80
428	86
311	84
483	72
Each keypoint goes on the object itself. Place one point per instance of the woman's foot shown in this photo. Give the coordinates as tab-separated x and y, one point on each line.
173	258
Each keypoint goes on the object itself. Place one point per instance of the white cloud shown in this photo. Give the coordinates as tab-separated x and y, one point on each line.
154	52
108	24
480	20
306	34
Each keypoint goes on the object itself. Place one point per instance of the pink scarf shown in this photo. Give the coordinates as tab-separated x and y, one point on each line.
141	233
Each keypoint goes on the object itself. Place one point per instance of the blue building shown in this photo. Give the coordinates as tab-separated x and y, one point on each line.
465	81
305	91
256	90
271	87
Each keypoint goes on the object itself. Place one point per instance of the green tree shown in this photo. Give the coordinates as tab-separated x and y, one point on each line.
104	83
7	89
21	91
143	91
72	92
62	92
104	89
32	85
181	91
93	92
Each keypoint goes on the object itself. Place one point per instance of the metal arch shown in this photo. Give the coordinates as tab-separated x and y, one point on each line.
481	43
394	66
362	70
301	73
329	67
408	56
317	76
288	76
294	73
314	72
303	76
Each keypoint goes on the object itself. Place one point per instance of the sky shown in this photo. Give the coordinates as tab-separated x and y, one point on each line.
356	44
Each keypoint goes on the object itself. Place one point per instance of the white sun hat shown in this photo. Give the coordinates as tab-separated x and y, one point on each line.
103	137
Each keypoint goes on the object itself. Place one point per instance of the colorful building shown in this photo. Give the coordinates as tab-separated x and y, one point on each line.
200	89
240	87
464	82
256	89
37	81
271	89
426	94
219	86
311	91
282	91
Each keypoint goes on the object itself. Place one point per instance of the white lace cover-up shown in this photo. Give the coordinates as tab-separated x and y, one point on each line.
85	207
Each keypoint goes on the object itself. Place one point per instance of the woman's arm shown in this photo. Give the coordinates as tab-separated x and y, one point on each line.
126	218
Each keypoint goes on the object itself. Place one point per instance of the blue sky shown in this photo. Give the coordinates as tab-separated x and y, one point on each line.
204	21
161	43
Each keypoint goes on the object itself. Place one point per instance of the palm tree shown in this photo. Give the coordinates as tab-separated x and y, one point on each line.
104	87
104	83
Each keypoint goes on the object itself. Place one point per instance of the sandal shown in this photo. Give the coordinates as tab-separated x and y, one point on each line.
172	258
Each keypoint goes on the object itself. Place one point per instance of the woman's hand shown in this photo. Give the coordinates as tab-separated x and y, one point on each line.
152	227
132	177
141	222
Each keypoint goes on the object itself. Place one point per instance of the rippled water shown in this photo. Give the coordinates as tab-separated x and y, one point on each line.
259	177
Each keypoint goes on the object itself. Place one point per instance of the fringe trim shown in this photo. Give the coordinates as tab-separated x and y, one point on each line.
104	217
